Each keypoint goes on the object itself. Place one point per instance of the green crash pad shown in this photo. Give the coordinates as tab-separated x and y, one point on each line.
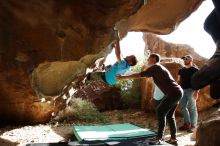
111	132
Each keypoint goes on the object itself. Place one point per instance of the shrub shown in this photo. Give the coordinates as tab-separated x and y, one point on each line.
130	92
82	110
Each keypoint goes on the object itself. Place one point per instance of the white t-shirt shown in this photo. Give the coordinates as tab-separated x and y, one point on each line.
158	94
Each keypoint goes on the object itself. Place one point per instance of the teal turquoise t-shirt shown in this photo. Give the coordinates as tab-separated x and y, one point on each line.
116	69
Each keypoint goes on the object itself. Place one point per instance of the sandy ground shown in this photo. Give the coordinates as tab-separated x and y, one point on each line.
56	132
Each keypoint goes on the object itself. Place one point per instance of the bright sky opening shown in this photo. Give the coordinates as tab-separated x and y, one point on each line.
191	31
132	44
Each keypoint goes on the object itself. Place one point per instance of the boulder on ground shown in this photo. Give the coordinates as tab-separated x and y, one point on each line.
208	131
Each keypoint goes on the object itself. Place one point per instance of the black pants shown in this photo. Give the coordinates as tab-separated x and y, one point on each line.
165	110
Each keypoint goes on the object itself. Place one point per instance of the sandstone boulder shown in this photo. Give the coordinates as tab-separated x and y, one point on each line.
102	95
208	131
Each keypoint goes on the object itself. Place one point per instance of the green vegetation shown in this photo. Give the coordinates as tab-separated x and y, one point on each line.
130	92
81	110
130	89
86	111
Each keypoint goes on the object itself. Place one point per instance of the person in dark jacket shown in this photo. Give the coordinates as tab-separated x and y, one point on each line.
172	95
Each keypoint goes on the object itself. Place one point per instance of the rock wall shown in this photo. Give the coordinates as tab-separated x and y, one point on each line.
50	78
105	97
37	31
208	131
18	100
170	50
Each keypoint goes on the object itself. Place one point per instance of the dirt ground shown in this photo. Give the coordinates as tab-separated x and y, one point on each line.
57	132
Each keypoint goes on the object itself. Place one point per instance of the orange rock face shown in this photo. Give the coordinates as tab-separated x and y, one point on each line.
208	131
33	32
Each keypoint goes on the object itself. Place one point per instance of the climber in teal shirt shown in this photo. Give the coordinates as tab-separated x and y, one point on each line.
118	68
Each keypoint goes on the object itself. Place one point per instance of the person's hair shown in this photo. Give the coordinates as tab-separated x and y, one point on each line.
133	60
156	56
